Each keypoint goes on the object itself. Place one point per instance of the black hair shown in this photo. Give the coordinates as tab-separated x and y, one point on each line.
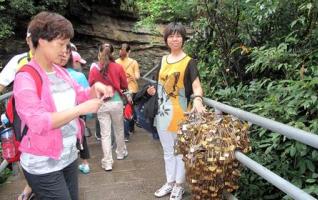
172	28
49	25
105	51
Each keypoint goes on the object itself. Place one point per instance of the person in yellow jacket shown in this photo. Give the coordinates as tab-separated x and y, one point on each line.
131	68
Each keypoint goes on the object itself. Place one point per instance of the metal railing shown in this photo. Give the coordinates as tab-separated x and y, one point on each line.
286	130
283	129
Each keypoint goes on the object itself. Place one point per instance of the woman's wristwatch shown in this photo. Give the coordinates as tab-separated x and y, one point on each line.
197	96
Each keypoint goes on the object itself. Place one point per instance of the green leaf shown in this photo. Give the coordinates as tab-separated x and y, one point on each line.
314	155
302	167
314	175
292	151
310	165
311	180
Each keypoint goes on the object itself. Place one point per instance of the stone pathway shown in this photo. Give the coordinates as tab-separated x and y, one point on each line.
135	178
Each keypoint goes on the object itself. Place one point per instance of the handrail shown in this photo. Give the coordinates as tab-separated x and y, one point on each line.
5	96
273	178
150	71
289	131
3	165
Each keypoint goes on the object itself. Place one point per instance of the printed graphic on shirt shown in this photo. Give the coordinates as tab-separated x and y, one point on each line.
171	94
170	84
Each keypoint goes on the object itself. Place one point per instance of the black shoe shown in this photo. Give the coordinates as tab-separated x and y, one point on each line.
138	125
98	138
88	132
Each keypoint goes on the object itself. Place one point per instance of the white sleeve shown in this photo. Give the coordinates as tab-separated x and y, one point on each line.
8	73
93	65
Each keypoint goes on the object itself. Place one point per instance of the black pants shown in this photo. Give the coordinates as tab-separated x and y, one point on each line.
84	153
132	122
97	128
59	185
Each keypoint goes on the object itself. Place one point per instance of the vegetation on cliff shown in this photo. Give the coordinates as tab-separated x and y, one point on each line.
258	55
261	56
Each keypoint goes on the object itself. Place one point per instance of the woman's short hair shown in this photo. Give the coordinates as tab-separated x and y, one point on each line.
172	28
102	47
48	26
125	48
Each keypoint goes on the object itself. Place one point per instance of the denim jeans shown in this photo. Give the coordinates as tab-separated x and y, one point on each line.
143	122
126	128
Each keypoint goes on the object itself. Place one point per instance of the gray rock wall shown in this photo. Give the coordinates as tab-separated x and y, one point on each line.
96	24
101	24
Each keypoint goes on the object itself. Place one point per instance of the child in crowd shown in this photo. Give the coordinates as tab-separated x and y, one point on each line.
131	68
72	62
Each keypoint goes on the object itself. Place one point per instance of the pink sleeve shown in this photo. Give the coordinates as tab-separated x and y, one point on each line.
29	106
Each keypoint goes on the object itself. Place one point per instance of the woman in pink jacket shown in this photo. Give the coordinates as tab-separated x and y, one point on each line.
49	153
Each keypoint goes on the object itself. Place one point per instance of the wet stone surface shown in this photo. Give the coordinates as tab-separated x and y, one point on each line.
135	178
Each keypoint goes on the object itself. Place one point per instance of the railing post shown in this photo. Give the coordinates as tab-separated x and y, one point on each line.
3	165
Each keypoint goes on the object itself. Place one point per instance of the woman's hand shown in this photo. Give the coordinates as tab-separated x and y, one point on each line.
61	118
151	90
90	106
102	91
198	105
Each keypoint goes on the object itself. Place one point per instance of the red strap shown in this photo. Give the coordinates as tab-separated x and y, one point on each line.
35	75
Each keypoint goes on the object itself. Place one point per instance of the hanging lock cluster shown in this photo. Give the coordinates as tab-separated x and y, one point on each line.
208	144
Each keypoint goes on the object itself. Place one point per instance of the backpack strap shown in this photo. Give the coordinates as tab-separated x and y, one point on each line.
36	77
129	64
38	83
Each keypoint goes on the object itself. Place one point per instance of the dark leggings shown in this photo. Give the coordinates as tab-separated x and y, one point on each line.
84	153
59	185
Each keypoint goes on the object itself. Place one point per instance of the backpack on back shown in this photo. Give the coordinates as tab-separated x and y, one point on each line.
12	115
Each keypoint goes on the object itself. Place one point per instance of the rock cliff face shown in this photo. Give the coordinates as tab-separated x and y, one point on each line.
94	24
102	24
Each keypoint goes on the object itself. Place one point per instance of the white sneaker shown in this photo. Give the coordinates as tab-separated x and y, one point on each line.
176	193
164	190
119	157
108	166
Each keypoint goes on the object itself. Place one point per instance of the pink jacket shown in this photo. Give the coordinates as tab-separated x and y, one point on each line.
35	112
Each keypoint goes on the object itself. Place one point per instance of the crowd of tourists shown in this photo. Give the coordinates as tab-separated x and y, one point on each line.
56	118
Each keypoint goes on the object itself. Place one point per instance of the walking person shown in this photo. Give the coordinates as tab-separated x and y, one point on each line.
72	62
15	63
131	68
111	112
178	80
97	125
7	76
48	150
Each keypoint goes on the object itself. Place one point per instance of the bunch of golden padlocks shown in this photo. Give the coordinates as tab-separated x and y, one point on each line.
208	143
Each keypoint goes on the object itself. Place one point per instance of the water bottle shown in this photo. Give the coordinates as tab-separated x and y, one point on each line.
4	121
7	143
